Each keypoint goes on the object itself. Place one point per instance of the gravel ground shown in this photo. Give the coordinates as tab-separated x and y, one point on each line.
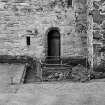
64	93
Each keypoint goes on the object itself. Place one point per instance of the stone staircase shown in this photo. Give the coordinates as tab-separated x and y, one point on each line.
56	67
50	69
50	72
53	60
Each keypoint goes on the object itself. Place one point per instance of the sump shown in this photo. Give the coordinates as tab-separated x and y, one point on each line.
55	72
30	75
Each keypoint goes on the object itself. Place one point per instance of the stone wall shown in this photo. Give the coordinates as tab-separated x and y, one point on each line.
21	18
98	14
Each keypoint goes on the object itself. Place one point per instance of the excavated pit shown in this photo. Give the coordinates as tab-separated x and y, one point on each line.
74	70
29	75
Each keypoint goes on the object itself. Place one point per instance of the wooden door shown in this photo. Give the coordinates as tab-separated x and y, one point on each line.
54	43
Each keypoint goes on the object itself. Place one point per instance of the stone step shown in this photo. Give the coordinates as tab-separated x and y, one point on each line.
55	65
56	69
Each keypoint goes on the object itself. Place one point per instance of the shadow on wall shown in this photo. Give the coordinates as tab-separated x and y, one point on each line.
74	61
15	59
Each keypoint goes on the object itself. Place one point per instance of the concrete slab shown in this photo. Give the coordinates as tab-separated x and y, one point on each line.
11	73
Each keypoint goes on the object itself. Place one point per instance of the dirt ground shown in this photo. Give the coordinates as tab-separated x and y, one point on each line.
64	93
50	93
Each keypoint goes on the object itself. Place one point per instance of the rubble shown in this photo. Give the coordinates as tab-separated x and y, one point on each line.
79	73
97	75
55	76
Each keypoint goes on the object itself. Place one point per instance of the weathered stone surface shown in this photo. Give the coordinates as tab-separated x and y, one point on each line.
98	14
16	17
22	18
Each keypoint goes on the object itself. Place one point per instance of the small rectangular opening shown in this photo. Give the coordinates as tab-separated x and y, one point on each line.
69	3
28	40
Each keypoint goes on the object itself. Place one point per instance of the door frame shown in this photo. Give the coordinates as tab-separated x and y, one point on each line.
58	30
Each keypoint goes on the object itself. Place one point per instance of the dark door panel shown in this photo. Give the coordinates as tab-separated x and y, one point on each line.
53	44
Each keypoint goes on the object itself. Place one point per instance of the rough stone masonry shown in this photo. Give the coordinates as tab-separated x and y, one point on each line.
33	19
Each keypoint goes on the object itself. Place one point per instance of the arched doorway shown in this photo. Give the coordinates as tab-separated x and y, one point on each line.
53	41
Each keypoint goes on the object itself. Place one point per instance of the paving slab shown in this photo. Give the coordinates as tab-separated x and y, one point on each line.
11	73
